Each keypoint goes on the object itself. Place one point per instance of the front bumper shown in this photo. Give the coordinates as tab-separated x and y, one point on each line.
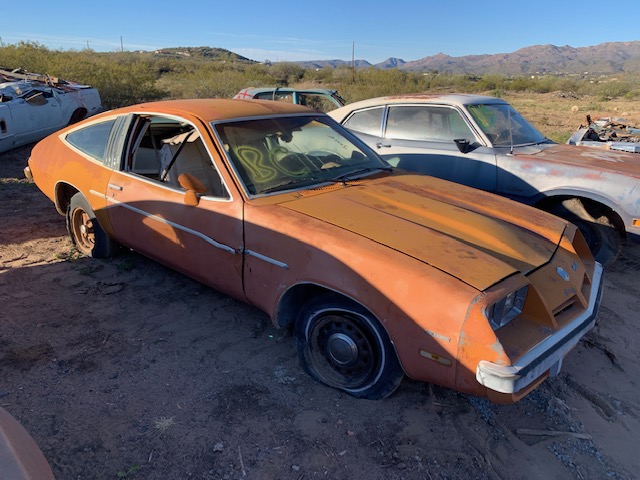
547	355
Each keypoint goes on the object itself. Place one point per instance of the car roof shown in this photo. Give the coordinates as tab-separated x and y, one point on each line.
216	109
457	99
256	90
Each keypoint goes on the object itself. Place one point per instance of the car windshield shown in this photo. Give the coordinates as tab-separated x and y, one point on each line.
504	126
282	153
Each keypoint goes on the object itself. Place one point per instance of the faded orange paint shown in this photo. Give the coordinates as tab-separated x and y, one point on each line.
425	256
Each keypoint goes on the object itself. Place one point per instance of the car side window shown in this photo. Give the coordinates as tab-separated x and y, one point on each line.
426	123
163	149
367	121
92	139
319	103
277	96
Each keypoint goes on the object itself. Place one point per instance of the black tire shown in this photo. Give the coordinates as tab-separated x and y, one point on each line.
341	345
86	233
603	239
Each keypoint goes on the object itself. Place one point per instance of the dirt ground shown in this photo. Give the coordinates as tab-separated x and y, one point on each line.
122	368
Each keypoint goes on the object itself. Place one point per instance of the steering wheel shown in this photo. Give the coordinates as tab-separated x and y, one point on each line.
294	164
327	158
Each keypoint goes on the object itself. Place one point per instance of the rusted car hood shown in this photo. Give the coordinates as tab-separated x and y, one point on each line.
596	159
477	237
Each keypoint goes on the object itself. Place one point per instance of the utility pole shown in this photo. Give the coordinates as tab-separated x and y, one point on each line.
121	44
353	62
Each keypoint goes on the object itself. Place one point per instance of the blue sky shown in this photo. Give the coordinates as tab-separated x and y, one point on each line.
321	30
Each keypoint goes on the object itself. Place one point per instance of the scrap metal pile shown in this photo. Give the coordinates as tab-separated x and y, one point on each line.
609	133
21	75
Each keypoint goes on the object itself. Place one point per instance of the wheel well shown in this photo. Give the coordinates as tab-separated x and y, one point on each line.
585	208
293	299
77	115
64	192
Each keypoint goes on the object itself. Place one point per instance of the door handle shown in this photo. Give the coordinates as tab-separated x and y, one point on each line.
381	145
113	186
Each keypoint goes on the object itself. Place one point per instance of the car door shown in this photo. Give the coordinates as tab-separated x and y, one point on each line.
153	213
421	138
35	114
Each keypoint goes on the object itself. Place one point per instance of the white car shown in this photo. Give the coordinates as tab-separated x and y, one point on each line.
33	106
483	142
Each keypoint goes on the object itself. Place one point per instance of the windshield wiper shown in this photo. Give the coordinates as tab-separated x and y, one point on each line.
346	176
286	183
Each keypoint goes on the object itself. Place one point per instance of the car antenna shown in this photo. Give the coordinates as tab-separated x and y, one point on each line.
510	133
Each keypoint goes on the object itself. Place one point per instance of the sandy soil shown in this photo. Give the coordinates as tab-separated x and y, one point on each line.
125	369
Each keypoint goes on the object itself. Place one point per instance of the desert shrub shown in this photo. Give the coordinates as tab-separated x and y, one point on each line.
30	56
286	73
209	83
490	82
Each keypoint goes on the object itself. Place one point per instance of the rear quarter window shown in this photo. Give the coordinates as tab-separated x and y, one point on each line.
92	139
366	121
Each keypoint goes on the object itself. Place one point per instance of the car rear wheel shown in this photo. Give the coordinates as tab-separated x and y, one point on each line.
341	345
86	233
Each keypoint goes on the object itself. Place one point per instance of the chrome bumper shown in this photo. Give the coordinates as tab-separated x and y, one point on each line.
548	354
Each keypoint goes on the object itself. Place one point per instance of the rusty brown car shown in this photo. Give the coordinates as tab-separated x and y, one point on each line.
380	273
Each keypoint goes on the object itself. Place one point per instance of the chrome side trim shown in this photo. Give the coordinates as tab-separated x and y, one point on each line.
264	258
207	239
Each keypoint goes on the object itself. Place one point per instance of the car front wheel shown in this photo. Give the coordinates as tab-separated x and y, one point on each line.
341	345
86	233
603	239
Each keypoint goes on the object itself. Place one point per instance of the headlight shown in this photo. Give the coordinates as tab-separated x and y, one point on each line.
505	310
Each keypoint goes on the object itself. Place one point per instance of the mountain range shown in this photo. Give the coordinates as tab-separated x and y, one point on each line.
605	58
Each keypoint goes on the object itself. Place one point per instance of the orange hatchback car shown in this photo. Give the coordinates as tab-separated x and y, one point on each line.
380	273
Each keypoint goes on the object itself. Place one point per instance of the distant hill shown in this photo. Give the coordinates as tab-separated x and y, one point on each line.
387	64
606	58
206	53
313	64
391	63
614	57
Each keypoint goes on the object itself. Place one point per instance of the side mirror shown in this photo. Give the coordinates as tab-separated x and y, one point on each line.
193	187
464	145
191	198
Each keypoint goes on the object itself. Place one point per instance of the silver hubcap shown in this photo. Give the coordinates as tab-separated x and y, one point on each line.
342	349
